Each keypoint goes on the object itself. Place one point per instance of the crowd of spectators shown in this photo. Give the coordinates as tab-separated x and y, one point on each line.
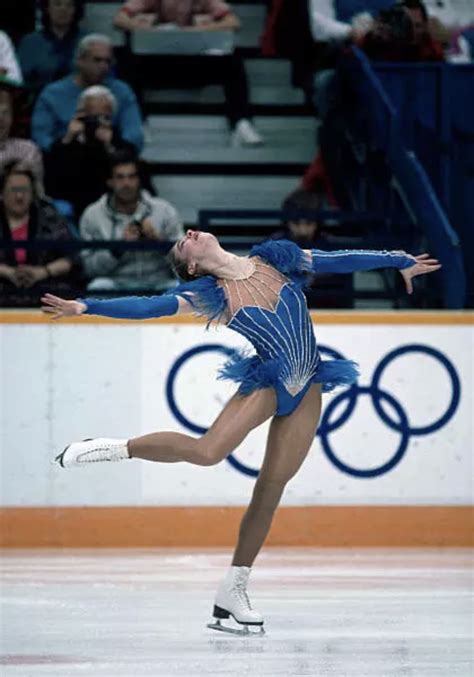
26	215
71	129
127	211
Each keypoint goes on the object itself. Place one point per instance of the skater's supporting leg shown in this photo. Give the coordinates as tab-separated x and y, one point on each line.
289	440
240	415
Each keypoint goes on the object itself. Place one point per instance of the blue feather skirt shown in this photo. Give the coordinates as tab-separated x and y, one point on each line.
252	373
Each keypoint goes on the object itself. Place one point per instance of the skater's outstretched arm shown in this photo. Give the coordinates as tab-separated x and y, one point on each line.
127	307
349	261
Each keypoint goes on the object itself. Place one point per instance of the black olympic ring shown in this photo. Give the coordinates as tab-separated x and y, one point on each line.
351	394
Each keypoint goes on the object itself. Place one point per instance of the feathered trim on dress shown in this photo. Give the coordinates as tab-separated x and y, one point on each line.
334	373
252	373
205	296
286	257
208	299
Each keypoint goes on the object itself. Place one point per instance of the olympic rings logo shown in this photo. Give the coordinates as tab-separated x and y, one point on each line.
397	421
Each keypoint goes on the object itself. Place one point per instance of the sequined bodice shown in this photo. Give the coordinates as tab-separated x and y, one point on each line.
270	311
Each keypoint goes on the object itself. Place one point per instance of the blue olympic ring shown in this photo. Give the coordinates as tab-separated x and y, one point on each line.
373	472
351	394
194	427
377	394
455	385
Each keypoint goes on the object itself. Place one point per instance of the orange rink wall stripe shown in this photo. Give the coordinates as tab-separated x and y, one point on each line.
323	317
315	526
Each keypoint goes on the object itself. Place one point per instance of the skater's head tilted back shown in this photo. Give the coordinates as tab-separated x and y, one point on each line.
196	254
199	253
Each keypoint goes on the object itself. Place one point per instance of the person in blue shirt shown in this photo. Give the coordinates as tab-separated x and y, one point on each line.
48	54
259	297
57	103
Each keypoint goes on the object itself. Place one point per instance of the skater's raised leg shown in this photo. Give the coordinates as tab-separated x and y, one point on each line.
240	415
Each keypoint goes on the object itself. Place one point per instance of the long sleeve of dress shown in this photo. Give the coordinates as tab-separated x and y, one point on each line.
349	261
133	307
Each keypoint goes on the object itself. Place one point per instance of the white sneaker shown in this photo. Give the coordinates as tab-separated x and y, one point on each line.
245	134
93	451
232	600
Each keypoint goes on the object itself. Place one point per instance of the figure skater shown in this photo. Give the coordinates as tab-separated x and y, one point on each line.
261	298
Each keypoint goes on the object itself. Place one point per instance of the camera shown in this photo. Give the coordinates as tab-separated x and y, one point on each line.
138	223
92	123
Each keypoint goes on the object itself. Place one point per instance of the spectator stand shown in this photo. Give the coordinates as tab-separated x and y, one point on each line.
98	18
187	140
403	157
340	291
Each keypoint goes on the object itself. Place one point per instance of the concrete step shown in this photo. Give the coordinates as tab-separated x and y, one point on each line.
269	82
98	18
206	139
252	18
189	194
213	94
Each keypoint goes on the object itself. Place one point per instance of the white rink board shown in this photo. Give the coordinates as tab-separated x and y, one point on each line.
63	383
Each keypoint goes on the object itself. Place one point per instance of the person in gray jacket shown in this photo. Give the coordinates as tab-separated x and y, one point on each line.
128	212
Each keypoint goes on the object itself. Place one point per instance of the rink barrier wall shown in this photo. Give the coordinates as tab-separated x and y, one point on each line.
322	317
214	526
89	525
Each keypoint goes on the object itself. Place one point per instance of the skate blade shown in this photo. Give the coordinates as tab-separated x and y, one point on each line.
59	458
242	632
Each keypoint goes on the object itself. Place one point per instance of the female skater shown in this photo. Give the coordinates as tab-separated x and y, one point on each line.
260	297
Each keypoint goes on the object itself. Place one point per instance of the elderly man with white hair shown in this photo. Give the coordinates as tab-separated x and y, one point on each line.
77	163
57	103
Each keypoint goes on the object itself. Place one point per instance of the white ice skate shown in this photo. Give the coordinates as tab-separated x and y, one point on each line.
92	451
232	600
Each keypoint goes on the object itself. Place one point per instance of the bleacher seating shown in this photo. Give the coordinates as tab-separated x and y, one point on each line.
187	140
98	18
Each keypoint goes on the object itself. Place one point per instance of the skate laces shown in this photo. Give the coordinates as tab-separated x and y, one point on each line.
99	453
240	592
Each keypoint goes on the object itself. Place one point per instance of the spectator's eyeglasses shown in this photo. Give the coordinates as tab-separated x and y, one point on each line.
18	190
62	4
99	59
121	176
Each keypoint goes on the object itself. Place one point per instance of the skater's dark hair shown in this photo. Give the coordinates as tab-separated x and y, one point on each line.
180	268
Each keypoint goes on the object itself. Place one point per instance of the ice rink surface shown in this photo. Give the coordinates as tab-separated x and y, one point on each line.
337	613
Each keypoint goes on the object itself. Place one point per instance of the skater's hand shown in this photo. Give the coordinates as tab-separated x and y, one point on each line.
423	264
59	307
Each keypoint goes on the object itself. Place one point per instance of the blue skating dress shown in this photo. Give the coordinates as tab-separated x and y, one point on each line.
269	309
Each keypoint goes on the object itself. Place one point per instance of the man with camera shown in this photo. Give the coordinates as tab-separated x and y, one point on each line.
77	163
127	212
57	103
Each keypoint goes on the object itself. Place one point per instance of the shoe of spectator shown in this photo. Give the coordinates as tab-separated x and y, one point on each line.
245	134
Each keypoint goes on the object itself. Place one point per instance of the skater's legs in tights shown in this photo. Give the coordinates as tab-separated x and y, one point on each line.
289	440
240	415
